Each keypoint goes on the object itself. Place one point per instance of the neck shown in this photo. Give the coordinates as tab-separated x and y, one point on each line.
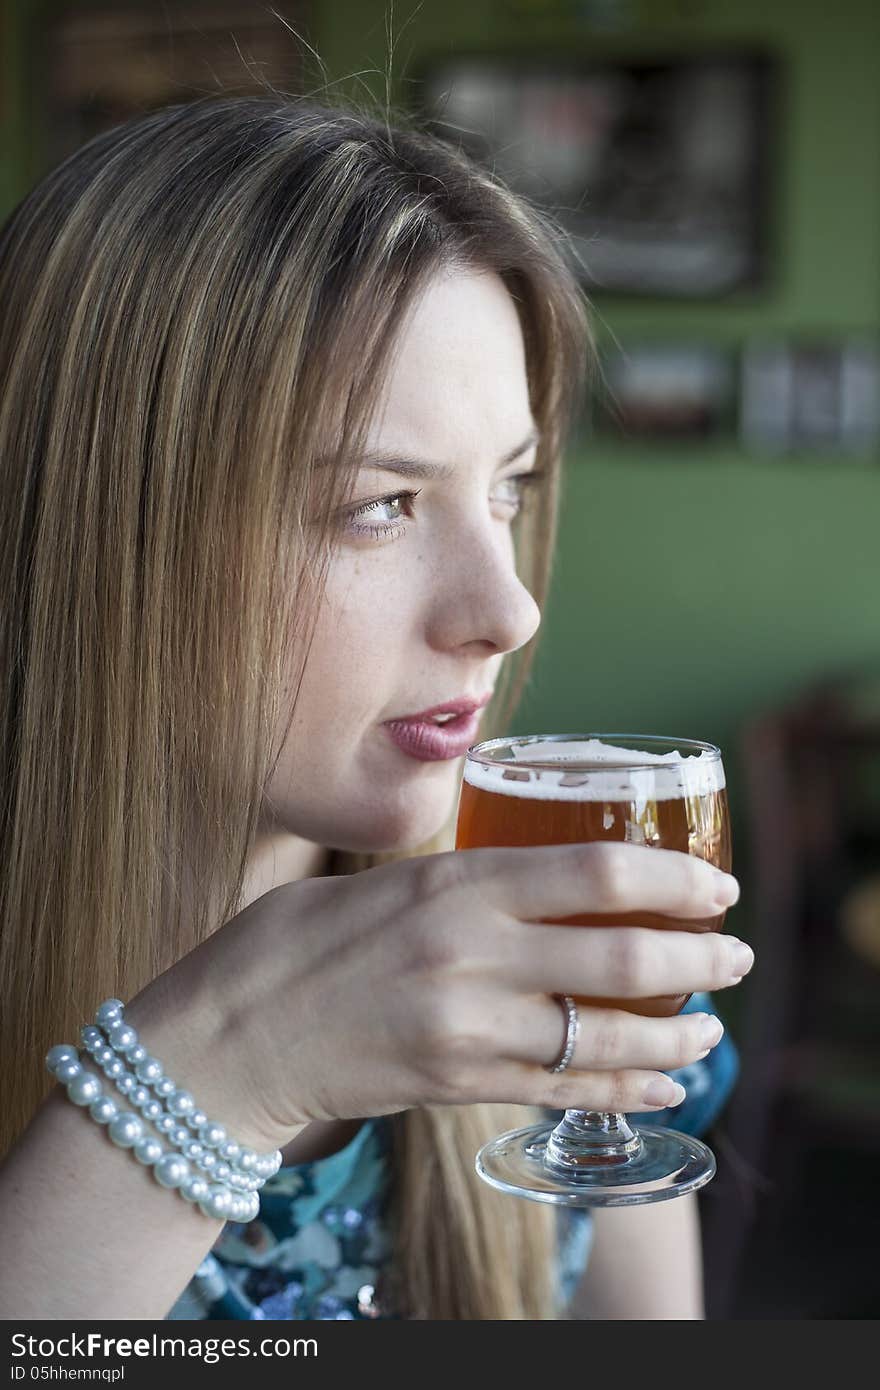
279	857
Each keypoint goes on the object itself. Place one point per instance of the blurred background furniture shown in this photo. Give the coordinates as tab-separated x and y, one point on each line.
800	1145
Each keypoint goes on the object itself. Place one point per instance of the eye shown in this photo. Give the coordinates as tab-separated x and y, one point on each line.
515	489
377	524
384	517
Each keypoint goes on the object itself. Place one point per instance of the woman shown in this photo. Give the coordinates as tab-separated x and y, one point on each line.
284	393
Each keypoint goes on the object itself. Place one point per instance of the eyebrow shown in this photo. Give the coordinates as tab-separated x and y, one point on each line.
421	468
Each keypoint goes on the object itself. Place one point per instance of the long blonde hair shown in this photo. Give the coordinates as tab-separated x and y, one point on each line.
186	301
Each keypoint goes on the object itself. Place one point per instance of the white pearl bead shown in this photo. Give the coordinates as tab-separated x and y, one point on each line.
164	1087
126	1083
165	1123
126	1129
103	1054
248	1160
212	1134
152	1109
223	1172
172	1170
149	1071
84	1089
148	1150
137	1054
193	1149
180	1103
209	1162
230	1150
216	1203
197	1119
108	1011
90	1036
195	1189
114	1068
140	1096
67	1071
239	1208
104	1109
121	1036
179	1136
59	1054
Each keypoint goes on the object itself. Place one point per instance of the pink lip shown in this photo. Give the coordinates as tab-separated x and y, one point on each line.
468	704
419	737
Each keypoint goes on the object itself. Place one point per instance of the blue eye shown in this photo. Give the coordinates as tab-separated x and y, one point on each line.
517	483
379	526
385	525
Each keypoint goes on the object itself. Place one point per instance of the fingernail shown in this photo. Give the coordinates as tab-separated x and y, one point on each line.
743	958
726	890
664	1092
711	1031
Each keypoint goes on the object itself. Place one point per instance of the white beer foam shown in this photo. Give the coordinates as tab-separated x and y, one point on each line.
659	776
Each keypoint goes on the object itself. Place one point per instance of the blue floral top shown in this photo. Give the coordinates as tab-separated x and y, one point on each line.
321	1241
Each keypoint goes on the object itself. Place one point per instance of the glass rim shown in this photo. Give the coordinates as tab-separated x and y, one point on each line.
477	751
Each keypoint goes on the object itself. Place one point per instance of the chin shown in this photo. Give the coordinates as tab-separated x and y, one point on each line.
403	824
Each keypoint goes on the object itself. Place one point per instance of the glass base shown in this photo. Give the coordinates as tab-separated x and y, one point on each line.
664	1164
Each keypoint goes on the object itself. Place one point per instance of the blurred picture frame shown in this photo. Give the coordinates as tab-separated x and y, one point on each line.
667	391
659	168
811	396
104	62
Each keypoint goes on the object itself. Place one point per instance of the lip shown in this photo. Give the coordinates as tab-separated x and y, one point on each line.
419	737
434	743
467	704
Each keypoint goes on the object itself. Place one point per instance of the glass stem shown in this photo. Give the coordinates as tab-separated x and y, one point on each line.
588	1139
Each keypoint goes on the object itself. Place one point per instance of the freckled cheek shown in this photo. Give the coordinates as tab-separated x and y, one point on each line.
357	648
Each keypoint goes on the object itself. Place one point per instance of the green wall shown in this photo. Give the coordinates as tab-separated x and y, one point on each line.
693	585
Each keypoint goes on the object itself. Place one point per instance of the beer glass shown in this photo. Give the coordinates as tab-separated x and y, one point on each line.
543	789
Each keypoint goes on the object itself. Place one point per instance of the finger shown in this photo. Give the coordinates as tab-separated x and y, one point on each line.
607	1039
609	1091
539	881
619	962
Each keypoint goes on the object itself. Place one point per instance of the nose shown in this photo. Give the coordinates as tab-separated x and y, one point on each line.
480	600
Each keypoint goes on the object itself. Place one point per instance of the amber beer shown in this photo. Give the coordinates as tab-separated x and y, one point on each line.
680	805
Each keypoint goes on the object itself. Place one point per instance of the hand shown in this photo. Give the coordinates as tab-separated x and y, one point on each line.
428	981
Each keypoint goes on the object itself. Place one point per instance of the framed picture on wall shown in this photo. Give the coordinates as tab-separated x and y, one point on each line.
667	391
100	63
658	168
819	396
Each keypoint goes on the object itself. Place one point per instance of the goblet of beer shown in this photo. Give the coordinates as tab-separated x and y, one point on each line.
547	789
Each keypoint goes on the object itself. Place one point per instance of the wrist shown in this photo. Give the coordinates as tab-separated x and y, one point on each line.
192	1042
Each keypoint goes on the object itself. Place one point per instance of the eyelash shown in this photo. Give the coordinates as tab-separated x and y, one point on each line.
525	480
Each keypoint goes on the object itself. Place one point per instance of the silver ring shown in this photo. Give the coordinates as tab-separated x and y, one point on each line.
572	1025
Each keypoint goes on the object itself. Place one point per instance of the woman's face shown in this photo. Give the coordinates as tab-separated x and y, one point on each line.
423	600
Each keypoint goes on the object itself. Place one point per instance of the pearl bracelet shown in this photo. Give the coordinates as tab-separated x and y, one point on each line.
241	1168
152	1110
128	1131
233	1172
189	1128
